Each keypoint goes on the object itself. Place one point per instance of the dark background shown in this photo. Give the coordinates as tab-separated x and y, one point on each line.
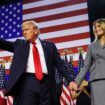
96	9
8	1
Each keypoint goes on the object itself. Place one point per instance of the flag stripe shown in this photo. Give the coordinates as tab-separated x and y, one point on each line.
65	26
40	3
69	38
66	32
66	92
52	6
54	11
61	15
63	102
27	1
63	21
9	100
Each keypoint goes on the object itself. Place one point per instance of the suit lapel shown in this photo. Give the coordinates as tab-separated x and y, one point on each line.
44	46
26	47
99	49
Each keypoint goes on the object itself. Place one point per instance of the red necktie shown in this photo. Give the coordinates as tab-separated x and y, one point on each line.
37	63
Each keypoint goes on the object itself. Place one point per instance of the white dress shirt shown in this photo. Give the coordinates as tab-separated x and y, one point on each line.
30	64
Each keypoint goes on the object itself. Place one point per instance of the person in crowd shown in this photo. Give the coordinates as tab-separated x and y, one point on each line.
84	98
95	62
82	95
32	76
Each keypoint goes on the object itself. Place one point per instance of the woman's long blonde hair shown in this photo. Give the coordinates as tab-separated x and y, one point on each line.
101	22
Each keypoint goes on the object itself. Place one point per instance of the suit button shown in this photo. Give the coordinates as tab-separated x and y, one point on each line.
98	61
97	54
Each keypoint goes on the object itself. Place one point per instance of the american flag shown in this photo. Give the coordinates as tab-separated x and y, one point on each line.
2	77
66	59
11	19
64	22
65	98
80	62
3	100
2	84
58	76
4	73
72	70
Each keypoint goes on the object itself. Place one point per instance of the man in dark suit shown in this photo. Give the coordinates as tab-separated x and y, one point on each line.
23	83
59	91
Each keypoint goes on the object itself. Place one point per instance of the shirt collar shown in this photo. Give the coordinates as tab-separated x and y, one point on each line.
37	41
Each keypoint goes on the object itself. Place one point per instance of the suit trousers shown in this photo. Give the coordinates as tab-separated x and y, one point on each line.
98	92
33	91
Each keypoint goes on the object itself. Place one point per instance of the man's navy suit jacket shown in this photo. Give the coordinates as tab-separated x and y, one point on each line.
20	48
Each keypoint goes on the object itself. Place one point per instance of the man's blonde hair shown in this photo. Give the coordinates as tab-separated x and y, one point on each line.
33	23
